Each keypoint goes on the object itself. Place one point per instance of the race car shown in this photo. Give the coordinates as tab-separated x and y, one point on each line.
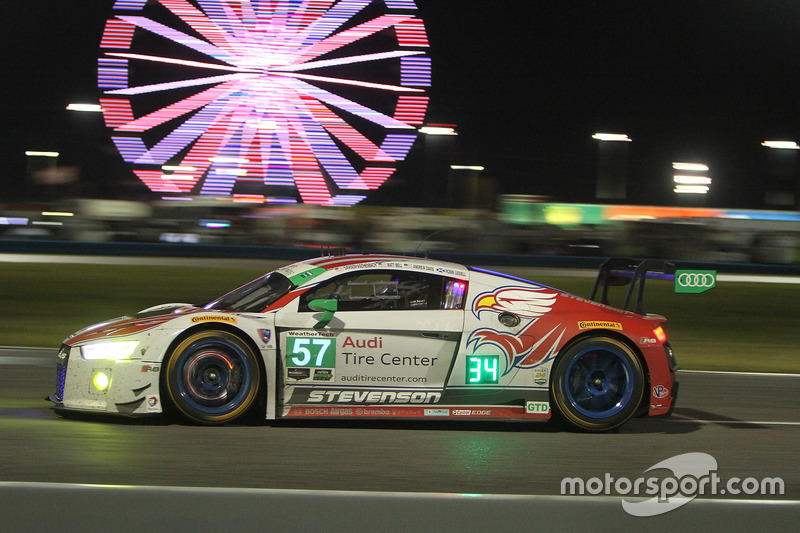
380	336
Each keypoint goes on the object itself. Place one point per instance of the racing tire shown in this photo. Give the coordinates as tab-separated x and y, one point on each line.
598	384
213	377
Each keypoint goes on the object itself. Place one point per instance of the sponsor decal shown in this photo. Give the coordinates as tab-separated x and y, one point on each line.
298	373
411	411
540	376
214	318
265	335
367	396
660	391
599	324
322	374
695	281
374	342
310	334
537	407
472	412
152	403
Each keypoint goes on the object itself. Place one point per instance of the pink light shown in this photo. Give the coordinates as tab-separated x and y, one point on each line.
353	34
116	112
118	34
342	81
267	52
412	33
184	62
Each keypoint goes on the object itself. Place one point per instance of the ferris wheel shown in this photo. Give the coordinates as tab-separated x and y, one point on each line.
275	101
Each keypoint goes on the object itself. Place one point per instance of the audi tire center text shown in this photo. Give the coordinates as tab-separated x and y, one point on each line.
377	336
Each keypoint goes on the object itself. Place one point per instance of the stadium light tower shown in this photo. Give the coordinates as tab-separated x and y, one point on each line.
612	165
691	179
782	183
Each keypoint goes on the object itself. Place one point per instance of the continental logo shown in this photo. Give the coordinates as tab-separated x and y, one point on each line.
213	318
599	324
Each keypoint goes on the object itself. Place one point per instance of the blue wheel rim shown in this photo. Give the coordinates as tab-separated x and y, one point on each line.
214	376
599	382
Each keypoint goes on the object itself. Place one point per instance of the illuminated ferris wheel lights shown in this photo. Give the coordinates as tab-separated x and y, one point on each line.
178	168
232	160
173	177
349	60
395	88
186	63
231	171
267	104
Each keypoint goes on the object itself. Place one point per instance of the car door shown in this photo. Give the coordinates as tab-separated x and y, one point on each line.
387	337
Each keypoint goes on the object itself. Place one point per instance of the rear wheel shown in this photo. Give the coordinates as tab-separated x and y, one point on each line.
213	377
598	383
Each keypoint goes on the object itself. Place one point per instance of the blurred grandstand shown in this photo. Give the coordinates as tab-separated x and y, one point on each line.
519	225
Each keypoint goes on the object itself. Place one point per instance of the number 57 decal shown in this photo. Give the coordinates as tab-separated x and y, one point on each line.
311	351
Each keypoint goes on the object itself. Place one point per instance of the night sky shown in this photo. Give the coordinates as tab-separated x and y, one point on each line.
526	81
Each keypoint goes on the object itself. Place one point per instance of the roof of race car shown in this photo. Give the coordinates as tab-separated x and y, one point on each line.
304	271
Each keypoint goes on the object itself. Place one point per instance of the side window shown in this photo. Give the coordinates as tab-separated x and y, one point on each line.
389	290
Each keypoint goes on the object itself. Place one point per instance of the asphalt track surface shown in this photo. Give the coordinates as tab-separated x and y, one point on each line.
748	422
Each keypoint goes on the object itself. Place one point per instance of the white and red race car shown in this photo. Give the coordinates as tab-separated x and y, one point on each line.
380	337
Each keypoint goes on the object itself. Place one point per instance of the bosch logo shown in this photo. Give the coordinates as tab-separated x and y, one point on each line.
696	280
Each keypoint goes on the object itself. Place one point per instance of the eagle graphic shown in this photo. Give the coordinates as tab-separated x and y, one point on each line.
523	349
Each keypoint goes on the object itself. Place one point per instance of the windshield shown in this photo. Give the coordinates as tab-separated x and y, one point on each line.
254	296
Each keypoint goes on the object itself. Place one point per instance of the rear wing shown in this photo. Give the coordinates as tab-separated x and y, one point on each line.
620	271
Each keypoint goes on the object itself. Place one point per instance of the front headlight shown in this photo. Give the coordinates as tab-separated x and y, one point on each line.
115	350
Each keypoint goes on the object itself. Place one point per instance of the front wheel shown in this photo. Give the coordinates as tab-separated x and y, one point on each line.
597	384
212	377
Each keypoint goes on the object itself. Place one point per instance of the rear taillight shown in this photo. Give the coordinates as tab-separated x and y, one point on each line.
660	334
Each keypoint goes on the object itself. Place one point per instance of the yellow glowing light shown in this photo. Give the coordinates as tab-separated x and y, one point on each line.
100	381
437	130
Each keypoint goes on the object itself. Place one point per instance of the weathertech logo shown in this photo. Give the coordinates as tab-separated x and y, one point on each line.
600	325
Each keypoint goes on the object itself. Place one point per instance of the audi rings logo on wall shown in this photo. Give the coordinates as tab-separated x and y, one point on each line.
695	281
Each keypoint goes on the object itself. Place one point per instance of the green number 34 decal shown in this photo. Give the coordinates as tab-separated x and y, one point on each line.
311	351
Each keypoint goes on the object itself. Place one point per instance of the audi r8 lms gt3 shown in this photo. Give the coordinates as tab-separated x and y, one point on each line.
379	337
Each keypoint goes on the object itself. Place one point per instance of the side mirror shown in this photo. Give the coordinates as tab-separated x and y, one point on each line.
327	308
